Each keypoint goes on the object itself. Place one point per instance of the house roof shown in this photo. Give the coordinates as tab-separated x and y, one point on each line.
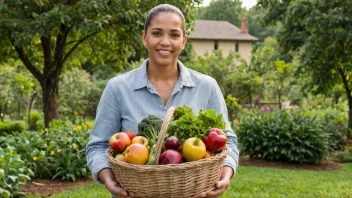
218	30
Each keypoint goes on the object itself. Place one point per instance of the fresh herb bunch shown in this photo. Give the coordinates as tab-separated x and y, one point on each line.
181	111
210	119
185	124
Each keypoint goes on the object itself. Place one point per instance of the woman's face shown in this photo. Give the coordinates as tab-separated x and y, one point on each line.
164	38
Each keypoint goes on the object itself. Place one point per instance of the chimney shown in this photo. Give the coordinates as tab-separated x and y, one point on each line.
244	25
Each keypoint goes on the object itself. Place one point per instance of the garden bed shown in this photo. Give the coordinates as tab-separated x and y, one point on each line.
46	187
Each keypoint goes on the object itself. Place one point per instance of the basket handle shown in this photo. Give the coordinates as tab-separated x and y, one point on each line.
162	133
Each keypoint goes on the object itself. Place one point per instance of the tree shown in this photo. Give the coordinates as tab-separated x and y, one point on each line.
320	30
281	78
222	10
45	34
256	28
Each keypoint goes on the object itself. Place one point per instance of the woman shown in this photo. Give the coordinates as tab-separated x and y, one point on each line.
160	82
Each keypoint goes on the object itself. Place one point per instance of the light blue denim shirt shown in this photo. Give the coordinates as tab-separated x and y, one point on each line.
128	98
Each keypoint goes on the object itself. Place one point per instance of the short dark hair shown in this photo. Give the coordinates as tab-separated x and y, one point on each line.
164	8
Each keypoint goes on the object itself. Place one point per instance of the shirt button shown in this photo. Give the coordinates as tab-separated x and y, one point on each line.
160	106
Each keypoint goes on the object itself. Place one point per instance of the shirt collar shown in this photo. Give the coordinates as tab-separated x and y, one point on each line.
141	78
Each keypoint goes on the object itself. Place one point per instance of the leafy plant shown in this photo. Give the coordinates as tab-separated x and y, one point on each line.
186	124
13	173
8	127
282	136
54	153
345	155
35	121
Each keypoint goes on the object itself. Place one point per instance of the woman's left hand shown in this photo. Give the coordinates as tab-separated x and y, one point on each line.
221	186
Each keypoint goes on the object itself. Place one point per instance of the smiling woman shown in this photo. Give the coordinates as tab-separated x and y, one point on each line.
161	82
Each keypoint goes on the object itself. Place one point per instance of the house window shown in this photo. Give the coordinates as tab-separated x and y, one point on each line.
215	45
236	46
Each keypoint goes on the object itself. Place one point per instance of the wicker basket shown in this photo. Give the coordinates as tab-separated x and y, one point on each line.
168	181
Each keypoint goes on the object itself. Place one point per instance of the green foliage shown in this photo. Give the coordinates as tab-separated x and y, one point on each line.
232	73
232	106
79	95
189	125
333	120
210	119
9	127
181	111
16	89
52	153
13	173
324	49
222	10
36	122
345	155
282	136
185	127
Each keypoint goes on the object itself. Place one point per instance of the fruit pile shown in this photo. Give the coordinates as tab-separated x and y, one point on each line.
189	138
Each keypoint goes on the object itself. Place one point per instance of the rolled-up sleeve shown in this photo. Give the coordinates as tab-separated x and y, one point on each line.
217	102
107	123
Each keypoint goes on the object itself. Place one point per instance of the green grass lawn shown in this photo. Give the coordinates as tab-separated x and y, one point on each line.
264	182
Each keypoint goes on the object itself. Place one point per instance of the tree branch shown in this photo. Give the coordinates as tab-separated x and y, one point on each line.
76	45
46	45
59	49
24	58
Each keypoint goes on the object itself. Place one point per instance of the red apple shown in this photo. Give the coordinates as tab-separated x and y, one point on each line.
170	157
131	134
193	149
136	154
119	141
216	140
172	143
141	140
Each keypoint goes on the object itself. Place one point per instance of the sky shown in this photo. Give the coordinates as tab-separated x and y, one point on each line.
245	3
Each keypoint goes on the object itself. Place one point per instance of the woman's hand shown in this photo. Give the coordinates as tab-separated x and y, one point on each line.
108	178
221	186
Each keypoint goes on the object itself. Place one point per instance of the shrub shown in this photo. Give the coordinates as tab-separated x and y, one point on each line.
282	136
8	127
55	153
232	106
13	173
345	155
333	120
337	135
35	121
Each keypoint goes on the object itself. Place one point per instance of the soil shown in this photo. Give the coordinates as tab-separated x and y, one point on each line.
49	187
45	187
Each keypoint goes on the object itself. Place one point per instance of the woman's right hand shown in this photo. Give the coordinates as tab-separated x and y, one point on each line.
107	177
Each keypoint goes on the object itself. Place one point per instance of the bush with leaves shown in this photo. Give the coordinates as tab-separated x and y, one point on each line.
36	121
54	153
282	136
9	127
345	155
334	122
13	173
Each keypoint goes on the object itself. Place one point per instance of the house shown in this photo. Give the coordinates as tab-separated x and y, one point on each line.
212	35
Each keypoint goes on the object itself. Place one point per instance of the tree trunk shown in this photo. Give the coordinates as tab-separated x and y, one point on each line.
50	95
30	107
349	133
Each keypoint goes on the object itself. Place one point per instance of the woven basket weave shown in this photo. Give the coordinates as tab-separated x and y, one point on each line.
168	181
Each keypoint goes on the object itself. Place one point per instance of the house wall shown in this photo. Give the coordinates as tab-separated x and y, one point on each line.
203	46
